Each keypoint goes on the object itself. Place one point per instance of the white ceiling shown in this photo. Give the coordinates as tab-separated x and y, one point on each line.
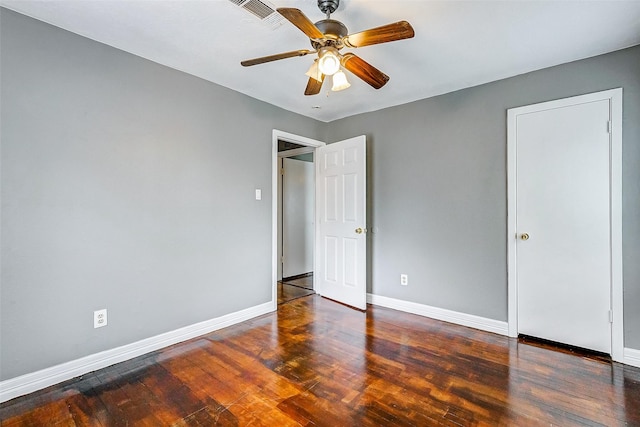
458	44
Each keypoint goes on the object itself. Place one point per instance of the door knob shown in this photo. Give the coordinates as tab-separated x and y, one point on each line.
359	230
524	236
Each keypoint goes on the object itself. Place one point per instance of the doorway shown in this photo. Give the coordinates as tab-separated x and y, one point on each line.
564	228
298	284
297	214
340	252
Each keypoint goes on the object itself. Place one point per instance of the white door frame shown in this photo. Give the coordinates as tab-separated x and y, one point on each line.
615	168
279	135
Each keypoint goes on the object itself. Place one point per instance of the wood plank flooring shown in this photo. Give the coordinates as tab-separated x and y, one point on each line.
287	292
290	289
301	282
319	363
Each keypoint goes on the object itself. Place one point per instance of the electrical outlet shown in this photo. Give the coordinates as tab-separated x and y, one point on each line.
100	318
404	279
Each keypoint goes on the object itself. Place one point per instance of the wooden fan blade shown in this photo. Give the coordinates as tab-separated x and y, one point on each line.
387	33
262	60
300	20
364	70
314	86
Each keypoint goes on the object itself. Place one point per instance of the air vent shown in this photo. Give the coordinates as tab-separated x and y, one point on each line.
258	8
263	10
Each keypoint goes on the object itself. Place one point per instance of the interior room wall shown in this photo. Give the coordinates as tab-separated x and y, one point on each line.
437	186
126	185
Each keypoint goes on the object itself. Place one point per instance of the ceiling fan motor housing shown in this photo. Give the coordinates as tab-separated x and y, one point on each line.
333	31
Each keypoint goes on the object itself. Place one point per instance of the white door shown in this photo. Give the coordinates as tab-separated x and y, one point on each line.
563	223
298	206
341	240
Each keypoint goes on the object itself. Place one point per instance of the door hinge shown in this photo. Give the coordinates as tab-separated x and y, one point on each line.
282	171
609	126
282	259
610	316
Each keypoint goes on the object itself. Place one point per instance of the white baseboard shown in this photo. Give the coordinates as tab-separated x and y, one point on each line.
632	357
469	320
28	383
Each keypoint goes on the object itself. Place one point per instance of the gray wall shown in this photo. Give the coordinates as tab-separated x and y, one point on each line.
121	189
437	186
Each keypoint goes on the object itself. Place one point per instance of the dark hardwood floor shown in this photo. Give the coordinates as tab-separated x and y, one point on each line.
319	363
287	292
305	281
290	289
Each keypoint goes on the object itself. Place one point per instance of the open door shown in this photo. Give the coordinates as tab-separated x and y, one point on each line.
341	239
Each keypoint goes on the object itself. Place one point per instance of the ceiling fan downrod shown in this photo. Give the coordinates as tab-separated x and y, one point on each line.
328	6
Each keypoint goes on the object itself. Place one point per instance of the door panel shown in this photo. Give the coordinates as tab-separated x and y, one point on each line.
331	259
563	205
341	198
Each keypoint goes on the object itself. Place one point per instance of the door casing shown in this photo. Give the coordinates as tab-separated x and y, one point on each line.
615	98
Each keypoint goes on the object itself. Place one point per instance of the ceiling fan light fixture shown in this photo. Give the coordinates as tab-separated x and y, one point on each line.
329	62
328	37
340	81
314	71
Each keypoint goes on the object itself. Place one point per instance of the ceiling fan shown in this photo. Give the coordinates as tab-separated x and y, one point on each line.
328	37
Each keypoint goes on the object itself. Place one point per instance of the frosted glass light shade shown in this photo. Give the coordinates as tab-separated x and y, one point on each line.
329	63
340	81
314	71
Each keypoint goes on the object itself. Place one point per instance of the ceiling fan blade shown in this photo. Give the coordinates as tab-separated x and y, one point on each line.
299	19
387	33
364	70
262	60
314	86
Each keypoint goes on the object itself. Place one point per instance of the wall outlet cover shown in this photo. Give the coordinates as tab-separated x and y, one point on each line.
404	279
100	318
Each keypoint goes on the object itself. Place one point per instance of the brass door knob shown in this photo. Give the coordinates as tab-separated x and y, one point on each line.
524	236
359	230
